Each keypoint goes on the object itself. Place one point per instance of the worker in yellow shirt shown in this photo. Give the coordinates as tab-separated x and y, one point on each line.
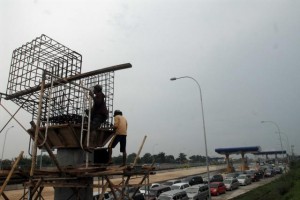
120	128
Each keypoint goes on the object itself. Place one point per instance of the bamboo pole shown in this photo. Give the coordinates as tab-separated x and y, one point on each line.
11	172
139	152
38	121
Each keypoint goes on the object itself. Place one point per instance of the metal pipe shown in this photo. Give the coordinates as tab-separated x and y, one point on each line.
278	133
4	146
69	79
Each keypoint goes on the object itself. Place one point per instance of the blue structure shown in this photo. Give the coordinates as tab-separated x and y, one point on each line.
237	150
270	153
266	153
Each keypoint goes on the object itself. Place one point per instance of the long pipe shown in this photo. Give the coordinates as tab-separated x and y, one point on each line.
69	79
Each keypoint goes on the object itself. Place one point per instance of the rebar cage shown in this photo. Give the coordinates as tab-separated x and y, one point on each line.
63	102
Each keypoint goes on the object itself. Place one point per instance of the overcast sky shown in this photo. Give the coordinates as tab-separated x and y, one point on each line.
244	54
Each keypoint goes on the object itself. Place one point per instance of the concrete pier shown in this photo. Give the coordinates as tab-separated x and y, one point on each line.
74	157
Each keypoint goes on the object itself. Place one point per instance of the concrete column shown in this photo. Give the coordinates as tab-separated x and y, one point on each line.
244	164
227	162
74	157
229	165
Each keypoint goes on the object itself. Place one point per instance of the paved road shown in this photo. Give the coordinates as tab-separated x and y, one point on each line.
244	189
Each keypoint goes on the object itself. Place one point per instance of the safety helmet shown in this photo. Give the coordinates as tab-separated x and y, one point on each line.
97	88
118	112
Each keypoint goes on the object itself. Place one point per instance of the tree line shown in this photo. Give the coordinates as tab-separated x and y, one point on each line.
147	158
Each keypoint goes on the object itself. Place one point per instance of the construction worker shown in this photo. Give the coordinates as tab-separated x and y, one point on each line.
120	128
99	112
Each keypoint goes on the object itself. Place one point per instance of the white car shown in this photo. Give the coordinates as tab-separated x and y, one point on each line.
146	188
244	179
198	192
179	186
171	182
231	183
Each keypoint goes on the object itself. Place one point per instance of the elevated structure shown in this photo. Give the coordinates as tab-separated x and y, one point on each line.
237	150
267	153
45	79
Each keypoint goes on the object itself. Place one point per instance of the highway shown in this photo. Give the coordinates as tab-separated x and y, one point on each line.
244	189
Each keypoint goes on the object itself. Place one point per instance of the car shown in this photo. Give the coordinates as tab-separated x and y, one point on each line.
214	178
155	192
232	175
145	189
278	170
173	194
244	179
253	174
192	180
180	186
106	196
231	183
217	188
128	190
171	182
269	172
217	178
132	190
260	173
198	192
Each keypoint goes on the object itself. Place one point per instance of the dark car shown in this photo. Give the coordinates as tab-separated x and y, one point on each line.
278	170
260	173
269	172
128	190
192	180
217	178
254	175
214	178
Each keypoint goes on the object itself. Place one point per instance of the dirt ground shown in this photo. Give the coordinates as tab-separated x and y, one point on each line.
48	193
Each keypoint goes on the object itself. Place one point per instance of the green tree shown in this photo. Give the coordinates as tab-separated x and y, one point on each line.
25	163
131	157
118	159
197	158
181	158
170	159
147	158
6	164
161	157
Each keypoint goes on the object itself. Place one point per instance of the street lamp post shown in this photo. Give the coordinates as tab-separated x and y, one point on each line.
288	142
288	147
203	121
279	133
4	146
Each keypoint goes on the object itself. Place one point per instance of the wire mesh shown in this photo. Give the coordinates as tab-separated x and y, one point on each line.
65	106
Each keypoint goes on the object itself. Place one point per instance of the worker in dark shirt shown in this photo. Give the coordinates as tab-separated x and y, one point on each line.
99	112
